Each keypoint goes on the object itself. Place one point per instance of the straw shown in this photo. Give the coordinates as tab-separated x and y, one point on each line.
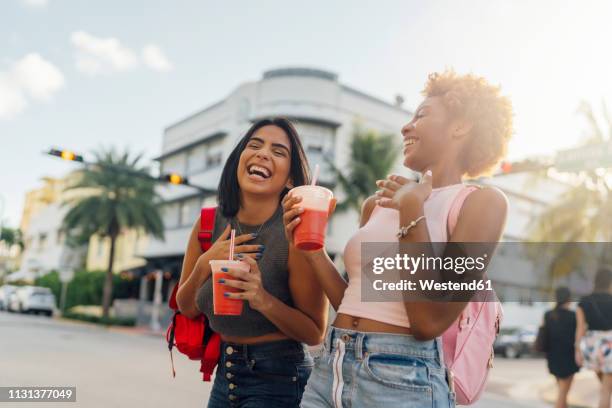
232	239
315	176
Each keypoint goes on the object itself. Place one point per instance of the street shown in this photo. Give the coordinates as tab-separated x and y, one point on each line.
124	368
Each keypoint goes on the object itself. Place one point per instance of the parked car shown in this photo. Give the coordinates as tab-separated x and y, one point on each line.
5	294
515	342
32	299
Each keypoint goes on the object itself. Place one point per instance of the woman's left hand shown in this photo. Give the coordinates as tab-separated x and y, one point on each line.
396	190
250	284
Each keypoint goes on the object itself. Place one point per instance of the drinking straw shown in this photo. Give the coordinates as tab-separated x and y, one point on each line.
232	239
315	176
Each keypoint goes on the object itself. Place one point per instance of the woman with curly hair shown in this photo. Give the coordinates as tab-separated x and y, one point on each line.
379	353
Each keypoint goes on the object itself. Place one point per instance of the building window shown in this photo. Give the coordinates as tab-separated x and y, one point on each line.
318	141
190	210
100	247
196	160
171	215
214	160
42	241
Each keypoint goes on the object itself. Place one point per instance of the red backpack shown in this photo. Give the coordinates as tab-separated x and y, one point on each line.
194	337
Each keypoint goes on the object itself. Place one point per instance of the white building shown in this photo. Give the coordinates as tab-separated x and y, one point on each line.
325	112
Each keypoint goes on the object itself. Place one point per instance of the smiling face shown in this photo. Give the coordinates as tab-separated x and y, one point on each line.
427	137
265	162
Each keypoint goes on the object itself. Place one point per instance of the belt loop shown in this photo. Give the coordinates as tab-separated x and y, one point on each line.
440	349
359	340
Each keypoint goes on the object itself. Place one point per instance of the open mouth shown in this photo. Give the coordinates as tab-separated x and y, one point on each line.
410	141
258	172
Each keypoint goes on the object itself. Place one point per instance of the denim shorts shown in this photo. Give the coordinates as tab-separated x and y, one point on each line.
271	374
360	369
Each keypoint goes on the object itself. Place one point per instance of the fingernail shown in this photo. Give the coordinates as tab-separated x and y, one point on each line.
378	192
226	294
239	256
221	280
428	173
262	247
301	210
254	234
258	256
224	269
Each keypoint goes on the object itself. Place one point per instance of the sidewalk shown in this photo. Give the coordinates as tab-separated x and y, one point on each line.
584	391
527	380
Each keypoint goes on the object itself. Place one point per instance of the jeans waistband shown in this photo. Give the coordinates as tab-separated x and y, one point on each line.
402	344
271	349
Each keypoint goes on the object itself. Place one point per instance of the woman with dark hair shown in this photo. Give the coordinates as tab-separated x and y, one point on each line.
264	362
594	333
389	354
559	332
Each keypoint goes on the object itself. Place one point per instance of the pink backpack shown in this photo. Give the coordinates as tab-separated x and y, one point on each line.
468	342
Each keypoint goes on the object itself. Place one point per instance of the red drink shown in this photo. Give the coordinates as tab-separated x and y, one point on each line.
221	304
309	235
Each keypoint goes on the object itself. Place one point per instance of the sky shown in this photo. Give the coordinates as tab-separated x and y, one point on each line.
84	75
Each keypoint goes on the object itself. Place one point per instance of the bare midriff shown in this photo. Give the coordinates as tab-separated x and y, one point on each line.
345	321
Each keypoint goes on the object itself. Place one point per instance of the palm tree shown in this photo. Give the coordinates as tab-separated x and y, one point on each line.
11	236
584	212
116	194
372	157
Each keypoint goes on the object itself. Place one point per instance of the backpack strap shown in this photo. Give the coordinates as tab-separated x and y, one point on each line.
453	214
207	225
211	355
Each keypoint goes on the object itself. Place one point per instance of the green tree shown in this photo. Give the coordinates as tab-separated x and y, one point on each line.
117	193
584	212
372	157
11	236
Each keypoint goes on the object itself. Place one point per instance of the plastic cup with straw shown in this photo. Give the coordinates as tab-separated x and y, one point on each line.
222	305
309	235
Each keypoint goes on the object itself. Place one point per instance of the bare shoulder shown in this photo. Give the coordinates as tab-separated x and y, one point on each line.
366	209
487	197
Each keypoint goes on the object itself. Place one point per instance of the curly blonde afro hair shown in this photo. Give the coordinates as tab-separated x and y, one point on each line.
472	98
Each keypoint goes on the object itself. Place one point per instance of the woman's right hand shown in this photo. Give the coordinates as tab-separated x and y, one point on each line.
292	211
291	214
221	248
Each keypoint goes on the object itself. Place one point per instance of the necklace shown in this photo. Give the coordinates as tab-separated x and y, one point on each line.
260	227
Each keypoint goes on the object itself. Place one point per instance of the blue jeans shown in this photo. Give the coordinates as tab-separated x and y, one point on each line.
265	375
359	369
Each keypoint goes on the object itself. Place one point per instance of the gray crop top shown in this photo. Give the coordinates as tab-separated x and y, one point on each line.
274	274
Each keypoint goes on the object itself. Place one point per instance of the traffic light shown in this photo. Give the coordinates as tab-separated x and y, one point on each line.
174	178
66	155
523	166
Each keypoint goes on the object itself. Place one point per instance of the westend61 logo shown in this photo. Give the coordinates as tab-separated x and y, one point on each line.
405	263
424	271
471	271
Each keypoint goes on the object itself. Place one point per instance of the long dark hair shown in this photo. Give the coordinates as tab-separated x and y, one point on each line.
229	189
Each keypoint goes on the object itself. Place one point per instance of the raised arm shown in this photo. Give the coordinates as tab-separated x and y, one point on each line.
481	219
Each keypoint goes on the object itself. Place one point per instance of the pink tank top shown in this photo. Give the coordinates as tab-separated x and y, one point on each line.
382	227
